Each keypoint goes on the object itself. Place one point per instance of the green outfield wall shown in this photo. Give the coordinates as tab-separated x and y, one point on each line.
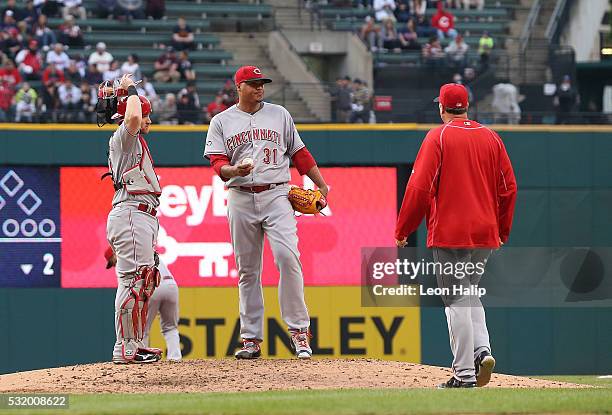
565	199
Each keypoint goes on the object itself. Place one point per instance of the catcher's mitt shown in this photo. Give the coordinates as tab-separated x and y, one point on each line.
306	200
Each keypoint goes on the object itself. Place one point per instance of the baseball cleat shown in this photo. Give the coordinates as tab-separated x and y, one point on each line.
250	349
484	365
453	382
140	357
300	343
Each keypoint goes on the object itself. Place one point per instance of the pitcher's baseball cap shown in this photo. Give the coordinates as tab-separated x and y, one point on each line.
250	73
108	254
453	96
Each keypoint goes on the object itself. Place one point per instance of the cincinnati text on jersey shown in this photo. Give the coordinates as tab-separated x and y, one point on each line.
248	136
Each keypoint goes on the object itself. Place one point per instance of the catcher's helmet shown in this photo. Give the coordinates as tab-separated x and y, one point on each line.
145	104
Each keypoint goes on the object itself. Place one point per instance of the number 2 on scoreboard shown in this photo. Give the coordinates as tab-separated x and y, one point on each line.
48	259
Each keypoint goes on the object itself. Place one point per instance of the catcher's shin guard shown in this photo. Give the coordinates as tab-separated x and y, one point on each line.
133	311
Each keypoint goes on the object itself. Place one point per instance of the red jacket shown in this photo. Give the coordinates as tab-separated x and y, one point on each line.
443	20
464	184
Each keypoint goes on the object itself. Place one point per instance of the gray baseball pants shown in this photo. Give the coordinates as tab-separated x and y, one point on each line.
132	235
165	302
251	216
465	315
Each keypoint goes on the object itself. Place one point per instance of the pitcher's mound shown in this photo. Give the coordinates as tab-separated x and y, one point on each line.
230	375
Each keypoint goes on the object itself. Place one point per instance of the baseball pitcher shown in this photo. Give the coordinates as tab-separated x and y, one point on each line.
250	146
132	224
464	183
165	301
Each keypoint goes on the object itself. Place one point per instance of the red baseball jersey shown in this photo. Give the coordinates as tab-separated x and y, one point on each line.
463	183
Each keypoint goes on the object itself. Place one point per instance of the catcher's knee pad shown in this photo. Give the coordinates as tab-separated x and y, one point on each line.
133	311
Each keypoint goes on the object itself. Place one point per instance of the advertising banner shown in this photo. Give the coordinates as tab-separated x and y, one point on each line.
194	238
209	325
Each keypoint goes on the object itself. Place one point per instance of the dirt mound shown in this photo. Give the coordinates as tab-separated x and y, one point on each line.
231	375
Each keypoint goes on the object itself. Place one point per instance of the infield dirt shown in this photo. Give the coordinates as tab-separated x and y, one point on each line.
230	375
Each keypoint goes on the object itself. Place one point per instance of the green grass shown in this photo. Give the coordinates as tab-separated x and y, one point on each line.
356	401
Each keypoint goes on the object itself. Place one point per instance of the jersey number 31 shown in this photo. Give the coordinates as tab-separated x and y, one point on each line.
270	154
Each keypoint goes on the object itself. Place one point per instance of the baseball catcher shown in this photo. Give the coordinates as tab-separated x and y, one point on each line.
132	224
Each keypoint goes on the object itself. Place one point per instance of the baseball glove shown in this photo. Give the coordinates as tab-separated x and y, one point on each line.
306	200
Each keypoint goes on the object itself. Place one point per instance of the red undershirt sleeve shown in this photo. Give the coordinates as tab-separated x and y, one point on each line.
303	161
217	161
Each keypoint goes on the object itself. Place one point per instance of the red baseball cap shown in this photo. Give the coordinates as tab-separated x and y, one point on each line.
108	254
249	73
453	96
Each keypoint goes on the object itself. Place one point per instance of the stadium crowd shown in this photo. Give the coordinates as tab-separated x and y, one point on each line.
41	80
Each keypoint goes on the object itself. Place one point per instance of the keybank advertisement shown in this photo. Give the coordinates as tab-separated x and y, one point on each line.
209	325
194	238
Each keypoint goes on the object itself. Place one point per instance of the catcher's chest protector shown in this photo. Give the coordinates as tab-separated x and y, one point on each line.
141	178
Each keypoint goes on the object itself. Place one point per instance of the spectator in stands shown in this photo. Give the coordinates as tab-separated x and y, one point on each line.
10	74
105	9
101	58
215	107
370	34
81	64
186	110
6	100
166	67
383	10
11	39
423	27
70	97
185	67
30	14
155	9
74	8
433	55
229	93
362	103
25	103
52	75
402	12
92	76
485	46
73	73
49	8
12	10
389	36
418	7
49	103
114	72
444	22
70	33
456	53
191	91
42	33
147	89
479	4
344	99
565	100
167	112
132	66
506	104
86	107
58	57
182	37
29	61
458	79
453	4
408	36
129	9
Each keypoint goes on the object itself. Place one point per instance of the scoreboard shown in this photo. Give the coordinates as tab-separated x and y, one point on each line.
30	241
